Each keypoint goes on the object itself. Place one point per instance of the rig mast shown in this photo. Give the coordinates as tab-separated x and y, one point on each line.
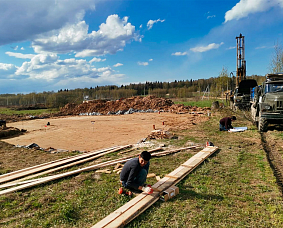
241	62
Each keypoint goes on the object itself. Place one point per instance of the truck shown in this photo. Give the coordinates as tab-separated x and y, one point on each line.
267	102
241	98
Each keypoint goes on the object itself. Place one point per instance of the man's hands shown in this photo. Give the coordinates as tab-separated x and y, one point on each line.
147	189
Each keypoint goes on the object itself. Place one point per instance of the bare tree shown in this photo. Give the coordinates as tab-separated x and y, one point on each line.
276	64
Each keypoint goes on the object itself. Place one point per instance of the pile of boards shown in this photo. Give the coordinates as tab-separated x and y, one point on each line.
25	178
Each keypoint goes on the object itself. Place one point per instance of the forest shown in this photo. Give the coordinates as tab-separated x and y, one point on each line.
214	87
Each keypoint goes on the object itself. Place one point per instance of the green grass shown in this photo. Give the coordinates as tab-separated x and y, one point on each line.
200	103
235	187
8	111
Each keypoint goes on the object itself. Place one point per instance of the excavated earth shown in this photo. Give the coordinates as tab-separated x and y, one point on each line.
137	103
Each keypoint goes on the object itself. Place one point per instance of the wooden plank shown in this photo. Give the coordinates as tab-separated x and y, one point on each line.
174	177
58	176
64	166
135	207
51	162
25	172
188	166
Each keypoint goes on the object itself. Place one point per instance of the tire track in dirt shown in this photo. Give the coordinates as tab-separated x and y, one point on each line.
274	158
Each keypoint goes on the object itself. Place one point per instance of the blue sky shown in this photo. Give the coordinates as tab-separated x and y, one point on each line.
67	44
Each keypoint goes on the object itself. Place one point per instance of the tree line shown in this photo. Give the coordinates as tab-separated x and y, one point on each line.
177	89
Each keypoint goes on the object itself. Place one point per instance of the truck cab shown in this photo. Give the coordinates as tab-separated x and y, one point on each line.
267	102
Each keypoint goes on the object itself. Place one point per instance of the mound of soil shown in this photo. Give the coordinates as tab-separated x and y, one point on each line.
137	103
10	132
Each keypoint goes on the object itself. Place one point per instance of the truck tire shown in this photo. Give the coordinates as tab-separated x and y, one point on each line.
262	124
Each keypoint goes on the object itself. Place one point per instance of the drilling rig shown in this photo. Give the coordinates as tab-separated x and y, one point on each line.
241	62
240	97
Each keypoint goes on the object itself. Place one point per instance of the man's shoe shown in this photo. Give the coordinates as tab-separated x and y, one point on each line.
120	191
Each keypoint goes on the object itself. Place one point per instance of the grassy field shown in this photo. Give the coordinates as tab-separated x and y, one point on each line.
200	103
9	111
233	188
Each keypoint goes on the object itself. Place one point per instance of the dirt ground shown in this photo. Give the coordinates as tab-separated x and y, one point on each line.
87	133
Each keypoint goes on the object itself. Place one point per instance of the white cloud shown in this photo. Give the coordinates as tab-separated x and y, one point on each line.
150	23
212	16
262	47
22	48
229	48
245	7
7	70
206	48
179	53
97	60
22	20
150	60
118	64
110	38
20	55
143	63
141	26
49	67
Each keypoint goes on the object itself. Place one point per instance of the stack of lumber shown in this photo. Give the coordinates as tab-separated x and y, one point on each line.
50	167
140	203
31	172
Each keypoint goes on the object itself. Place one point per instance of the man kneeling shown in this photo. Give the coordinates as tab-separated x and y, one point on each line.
134	173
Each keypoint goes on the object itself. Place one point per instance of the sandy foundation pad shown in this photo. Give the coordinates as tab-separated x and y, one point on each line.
87	133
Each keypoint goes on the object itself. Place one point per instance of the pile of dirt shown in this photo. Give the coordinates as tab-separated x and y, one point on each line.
10	132
136	103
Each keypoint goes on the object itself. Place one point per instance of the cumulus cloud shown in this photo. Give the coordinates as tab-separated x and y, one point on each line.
179	53
150	60
19	55
111	37
118	64
206	48
143	63
7	70
150	23
97	60
245	7
18	23
49	67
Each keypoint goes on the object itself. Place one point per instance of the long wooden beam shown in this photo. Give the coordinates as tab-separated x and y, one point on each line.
140	203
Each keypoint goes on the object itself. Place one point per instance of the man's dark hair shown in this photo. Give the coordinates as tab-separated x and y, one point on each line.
234	118
146	155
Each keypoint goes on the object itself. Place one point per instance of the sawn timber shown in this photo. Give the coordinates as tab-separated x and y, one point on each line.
140	203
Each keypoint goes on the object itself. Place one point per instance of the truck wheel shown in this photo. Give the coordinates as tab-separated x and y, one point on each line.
262	124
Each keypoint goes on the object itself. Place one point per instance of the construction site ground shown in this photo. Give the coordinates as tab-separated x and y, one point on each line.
87	133
239	186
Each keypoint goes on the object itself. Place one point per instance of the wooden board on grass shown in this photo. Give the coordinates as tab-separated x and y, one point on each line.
140	203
